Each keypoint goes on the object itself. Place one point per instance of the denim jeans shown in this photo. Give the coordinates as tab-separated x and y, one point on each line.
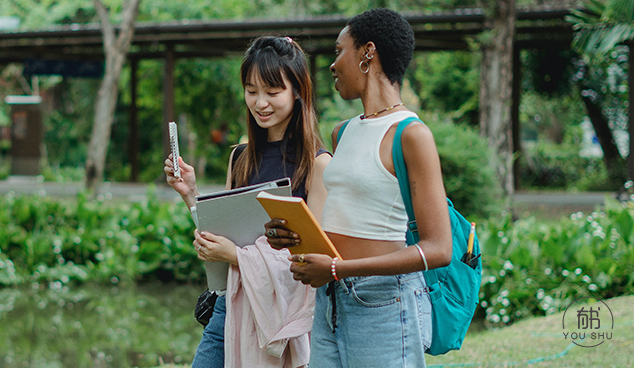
211	350
378	321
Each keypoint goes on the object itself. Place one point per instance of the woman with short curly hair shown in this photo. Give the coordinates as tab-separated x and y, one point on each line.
373	307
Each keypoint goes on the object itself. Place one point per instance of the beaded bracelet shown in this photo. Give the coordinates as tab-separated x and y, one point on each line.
333	269
422	255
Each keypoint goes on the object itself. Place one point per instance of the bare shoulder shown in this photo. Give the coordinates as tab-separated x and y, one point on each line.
417	135
335	131
322	160
417	131
335	134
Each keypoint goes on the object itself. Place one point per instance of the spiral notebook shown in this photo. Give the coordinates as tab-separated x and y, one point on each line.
174	148
237	215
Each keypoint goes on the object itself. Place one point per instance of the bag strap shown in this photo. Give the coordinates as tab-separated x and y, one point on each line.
343	127
403	181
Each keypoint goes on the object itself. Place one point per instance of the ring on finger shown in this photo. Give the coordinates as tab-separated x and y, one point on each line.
301	258
271	233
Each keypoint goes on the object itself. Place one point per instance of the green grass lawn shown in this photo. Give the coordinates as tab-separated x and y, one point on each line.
539	342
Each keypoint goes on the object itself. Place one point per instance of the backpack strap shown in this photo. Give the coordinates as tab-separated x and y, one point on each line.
340	132
403	182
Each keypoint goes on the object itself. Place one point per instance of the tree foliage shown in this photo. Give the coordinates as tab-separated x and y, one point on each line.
602	25
35	14
210	110
208	95
599	29
448	81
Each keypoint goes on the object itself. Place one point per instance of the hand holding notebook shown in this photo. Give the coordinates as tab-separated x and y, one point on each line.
300	220
236	215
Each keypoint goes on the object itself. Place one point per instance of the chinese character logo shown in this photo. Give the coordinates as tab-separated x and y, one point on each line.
585	322
591	325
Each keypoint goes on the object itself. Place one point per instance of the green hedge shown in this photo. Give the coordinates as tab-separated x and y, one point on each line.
536	268
469	179
530	267
44	240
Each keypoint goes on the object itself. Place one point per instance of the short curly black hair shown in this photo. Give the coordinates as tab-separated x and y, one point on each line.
392	35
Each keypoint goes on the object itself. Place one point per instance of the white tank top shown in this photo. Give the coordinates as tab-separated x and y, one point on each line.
364	199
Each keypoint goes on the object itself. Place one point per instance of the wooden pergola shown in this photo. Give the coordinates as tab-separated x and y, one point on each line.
542	27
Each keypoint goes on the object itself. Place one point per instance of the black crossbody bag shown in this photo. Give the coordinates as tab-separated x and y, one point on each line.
205	307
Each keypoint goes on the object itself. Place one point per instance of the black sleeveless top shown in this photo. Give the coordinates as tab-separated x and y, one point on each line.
273	166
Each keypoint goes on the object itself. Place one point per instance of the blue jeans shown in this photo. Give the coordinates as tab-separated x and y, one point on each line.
211	350
376	321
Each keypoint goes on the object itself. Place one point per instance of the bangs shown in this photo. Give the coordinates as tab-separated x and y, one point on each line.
265	66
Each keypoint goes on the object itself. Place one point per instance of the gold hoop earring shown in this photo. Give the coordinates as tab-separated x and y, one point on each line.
367	69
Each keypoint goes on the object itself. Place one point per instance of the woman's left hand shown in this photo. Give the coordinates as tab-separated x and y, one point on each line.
215	248
313	271
278	236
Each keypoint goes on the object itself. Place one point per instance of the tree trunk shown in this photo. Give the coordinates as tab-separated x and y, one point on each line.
115	50
611	156
133	124
630	114
496	87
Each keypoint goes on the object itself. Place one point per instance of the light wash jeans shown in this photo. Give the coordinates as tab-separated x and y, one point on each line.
211	350
376	321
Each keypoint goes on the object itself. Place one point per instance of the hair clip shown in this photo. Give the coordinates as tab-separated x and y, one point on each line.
290	40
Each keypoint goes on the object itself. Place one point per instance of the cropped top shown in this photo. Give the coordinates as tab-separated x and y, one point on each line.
364	199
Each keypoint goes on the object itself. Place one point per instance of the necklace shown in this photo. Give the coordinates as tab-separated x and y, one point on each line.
378	112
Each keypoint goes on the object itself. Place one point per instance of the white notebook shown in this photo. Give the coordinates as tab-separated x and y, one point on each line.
237	215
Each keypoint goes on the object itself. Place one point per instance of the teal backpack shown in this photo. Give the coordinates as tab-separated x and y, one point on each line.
454	289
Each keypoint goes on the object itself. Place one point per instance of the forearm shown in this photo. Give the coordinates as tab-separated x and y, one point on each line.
406	260
232	257
190	197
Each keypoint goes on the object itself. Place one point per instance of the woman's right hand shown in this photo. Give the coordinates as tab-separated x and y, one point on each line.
186	184
278	236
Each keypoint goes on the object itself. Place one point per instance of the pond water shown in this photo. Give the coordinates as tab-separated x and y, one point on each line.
97	326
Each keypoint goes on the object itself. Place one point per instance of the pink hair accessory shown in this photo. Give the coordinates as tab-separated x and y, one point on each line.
290	40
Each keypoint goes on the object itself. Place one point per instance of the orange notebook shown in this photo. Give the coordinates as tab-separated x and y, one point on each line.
300	220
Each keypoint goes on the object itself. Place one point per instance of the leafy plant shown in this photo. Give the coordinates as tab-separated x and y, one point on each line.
601	26
469	179
101	240
535	268
529	267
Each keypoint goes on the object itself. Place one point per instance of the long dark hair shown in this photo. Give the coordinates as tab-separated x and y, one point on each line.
274	58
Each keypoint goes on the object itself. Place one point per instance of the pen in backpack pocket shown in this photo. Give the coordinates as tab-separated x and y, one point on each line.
470	243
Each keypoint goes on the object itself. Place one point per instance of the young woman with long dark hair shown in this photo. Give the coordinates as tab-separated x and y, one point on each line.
283	142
